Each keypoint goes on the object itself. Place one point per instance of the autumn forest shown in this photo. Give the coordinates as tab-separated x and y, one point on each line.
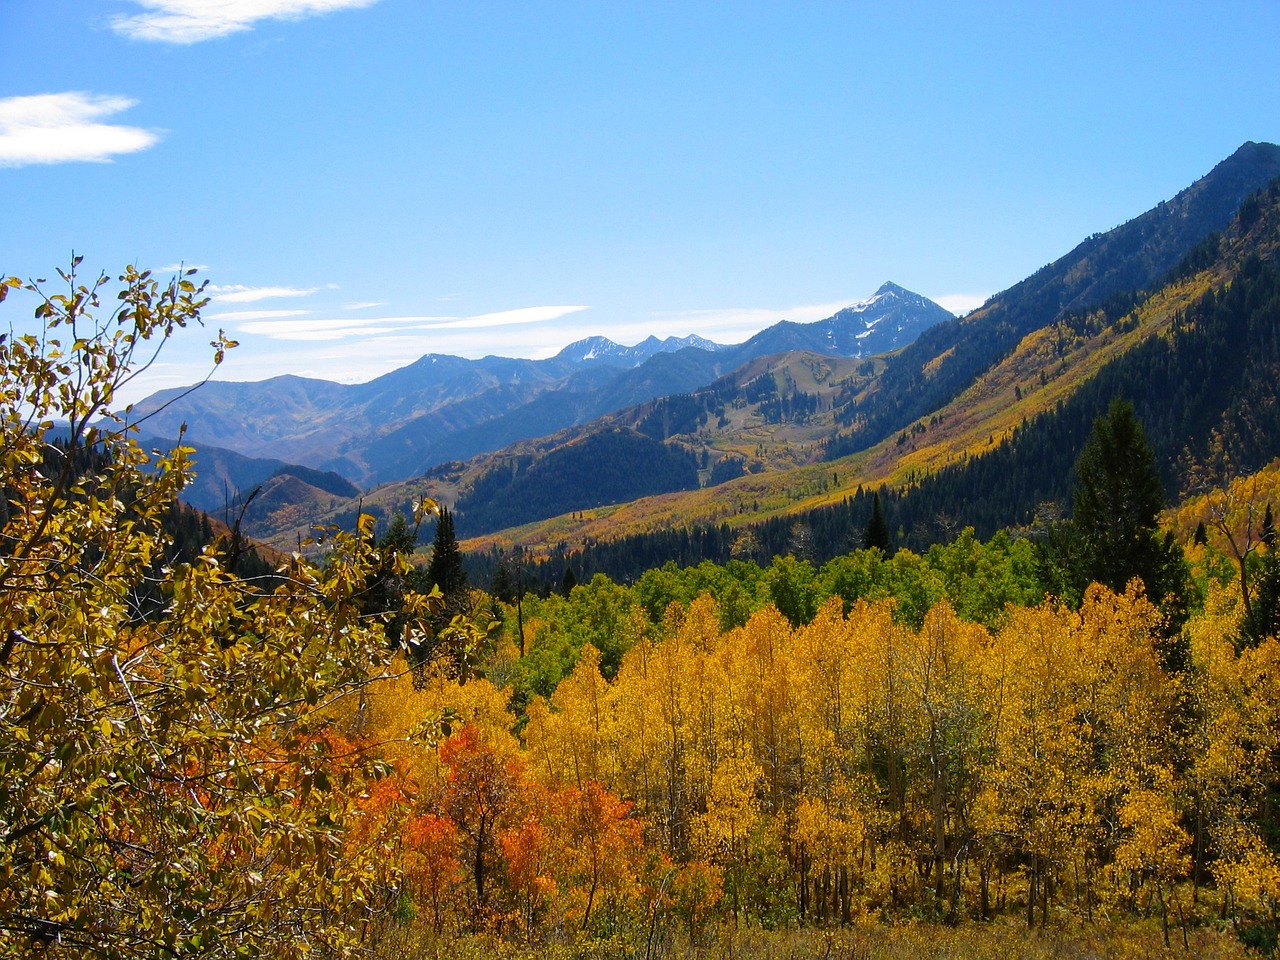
1055	733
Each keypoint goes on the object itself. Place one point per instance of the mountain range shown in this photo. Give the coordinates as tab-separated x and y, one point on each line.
442	408
676	449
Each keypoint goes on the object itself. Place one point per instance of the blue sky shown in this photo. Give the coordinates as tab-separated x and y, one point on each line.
366	181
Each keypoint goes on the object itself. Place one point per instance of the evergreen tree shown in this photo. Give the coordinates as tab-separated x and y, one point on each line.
385	588
1263	617
445	569
568	581
1117	503
446	572
877	532
503	585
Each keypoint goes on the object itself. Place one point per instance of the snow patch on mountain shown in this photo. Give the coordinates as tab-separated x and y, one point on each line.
603	350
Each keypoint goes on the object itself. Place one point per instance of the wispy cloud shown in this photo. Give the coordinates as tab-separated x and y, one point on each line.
506	318
240	316
339	329
235	293
317	329
66	128
182	267
190	21
367	305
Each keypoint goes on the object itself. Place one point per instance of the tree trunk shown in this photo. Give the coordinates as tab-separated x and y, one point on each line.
1032	882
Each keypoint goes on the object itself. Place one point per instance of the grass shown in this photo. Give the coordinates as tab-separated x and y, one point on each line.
909	941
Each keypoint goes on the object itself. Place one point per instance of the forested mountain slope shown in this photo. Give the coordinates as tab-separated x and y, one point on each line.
947	358
757	442
1199	358
770	414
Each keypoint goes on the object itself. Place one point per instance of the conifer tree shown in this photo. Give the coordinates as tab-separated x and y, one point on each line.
1117	503
445	571
877	532
385	591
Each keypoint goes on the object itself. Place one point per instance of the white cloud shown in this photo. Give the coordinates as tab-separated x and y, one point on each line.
506	318
962	303
367	305
66	128
183	268
242	315
190	21
235	293
339	329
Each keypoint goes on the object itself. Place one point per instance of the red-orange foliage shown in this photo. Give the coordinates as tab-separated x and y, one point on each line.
603	844
479	788
529	849
430	862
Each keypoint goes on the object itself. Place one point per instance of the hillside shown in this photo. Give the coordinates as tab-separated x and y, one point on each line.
1198	357
1122	262
771	414
779	436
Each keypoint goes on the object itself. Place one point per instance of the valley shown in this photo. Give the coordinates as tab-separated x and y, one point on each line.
781	434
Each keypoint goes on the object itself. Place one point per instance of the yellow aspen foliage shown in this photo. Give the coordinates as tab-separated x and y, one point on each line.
475	703
829	836
946	732
1129	697
1222	719
570	739
1251	877
396	717
712	692
652	707
722	833
477	706
763	661
1154	844
541	753
699	624
829	726
1152	855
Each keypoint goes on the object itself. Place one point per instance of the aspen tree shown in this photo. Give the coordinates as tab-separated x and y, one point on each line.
169	784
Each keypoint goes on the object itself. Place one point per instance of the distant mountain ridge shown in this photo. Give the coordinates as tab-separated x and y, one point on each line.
441	408
890	318
596	348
